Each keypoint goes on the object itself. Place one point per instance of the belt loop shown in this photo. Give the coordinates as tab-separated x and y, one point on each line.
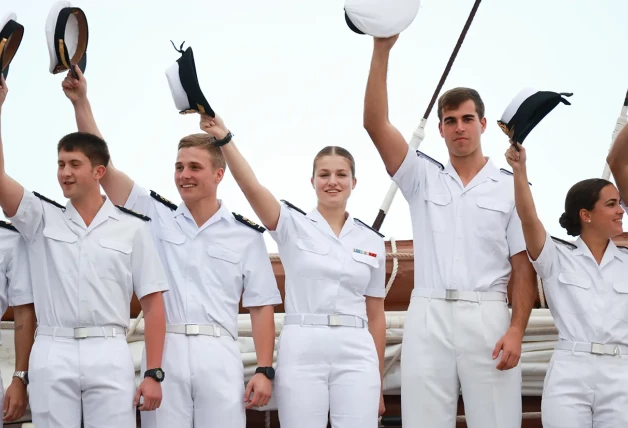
573	347
114	332
479	295
54	332
507	301
104	333
429	298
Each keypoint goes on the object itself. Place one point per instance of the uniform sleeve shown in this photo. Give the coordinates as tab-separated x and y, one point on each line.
148	272
19	277
408	176
260	284
544	264
377	285
514	234
29	216
285	225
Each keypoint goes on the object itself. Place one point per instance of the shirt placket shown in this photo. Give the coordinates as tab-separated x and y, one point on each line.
458	247
82	286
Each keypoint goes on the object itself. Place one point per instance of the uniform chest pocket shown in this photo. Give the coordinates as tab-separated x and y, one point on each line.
365	259
620	300
438	206
491	218
114	260
224	267
223	254
573	293
312	258
60	243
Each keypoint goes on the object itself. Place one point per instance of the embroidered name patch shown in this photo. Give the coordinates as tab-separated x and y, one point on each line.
366	253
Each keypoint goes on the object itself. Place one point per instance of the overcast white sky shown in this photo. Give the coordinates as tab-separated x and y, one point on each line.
288	77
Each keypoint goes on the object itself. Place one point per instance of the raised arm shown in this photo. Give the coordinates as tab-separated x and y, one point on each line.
263	202
117	185
11	191
533	230
390	144
617	160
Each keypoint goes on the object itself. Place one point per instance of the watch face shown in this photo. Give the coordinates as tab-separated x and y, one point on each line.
159	374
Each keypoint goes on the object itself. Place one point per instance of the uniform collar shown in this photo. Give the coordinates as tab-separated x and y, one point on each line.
108	210
488	172
222	213
320	221
612	252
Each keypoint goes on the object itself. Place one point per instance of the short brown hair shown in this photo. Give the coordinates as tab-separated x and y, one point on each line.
338	151
456	96
93	147
205	141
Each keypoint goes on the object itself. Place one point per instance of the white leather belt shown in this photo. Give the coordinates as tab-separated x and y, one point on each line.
592	348
194	329
454	295
82	332
328	320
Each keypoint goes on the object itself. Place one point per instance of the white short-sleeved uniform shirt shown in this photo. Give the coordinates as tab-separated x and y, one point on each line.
464	237
325	273
209	267
85	276
589	302
15	278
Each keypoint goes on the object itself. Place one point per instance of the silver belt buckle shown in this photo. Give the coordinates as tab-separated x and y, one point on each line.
451	295
80	332
192	329
333	321
598	349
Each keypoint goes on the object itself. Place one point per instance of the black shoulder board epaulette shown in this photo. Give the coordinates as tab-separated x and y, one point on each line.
367	226
163	200
567	244
50	201
245	221
293	207
623	248
7	225
505	171
133	213
434	161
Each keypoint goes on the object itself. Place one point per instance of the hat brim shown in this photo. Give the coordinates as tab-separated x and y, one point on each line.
379	18
67	36
185	88
11	34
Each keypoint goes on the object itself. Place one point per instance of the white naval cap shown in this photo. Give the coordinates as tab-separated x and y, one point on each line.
184	85
11	33
527	110
380	18
67	35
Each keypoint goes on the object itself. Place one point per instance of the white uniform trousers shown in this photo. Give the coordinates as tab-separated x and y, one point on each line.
585	390
203	385
95	376
325	370
449	344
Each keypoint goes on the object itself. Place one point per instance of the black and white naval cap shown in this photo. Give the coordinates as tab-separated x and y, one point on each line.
184	85
67	35
11	33
380	18
527	110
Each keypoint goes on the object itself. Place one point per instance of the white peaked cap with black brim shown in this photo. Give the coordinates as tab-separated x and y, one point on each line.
184	85
527	110
11	33
67	35
380	18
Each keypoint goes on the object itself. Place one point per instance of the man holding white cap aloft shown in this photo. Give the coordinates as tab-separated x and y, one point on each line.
468	242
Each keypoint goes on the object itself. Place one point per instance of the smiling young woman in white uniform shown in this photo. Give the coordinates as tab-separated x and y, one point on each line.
587	293
330	354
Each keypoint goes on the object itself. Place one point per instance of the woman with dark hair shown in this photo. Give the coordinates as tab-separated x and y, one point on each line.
331	351
586	285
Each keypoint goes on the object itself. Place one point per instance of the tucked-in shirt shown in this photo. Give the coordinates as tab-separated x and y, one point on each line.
464	236
85	276
209	267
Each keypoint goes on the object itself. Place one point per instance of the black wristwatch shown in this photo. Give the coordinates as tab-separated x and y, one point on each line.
157	374
224	141
269	372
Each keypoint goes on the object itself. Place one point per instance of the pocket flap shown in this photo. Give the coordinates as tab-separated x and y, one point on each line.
172	236
364	258
309	244
438	198
60	235
620	287
494	204
113	244
223	253
569	278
